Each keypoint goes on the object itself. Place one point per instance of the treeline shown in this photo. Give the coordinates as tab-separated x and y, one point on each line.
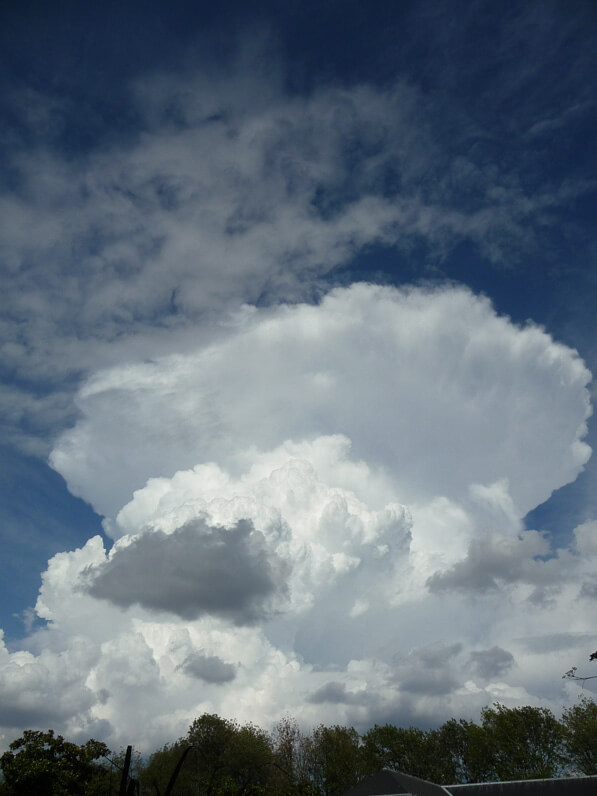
220	757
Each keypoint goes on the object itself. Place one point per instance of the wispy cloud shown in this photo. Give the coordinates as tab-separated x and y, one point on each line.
233	191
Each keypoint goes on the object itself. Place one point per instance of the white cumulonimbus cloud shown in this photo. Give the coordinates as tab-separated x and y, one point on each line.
431	387
320	513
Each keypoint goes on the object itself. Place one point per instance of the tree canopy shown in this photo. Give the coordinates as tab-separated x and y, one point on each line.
580	733
45	764
220	757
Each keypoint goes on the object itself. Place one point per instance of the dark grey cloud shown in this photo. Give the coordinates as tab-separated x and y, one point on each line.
481	571
16	715
429	670
430	682
210	668
554	642
491	663
197	570
495	560
335	693
589	589
437	654
41	701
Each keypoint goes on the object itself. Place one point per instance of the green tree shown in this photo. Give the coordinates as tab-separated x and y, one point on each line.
43	764
459	752
107	773
156	774
525	742
250	759
400	748
580	728
291	760
223	759
211	739
336	760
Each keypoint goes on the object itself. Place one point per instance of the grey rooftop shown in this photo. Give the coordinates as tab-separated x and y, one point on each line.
389	783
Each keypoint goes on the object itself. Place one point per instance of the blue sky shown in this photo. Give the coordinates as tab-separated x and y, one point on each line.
301	295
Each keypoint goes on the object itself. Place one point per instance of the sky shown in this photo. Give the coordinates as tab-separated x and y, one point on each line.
297	337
